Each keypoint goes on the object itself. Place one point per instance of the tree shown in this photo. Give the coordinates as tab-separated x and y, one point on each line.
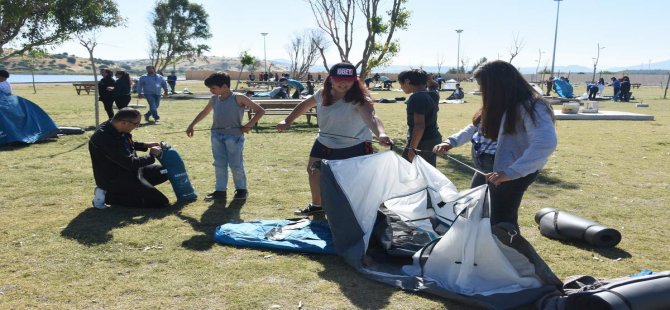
246	60
516	47
89	41
26	25
480	62
303	52
179	29
440	62
337	19
33	55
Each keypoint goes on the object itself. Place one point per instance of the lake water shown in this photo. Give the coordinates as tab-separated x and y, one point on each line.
48	78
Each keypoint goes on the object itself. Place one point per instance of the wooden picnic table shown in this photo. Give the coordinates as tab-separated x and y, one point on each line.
85	86
280	107
264	84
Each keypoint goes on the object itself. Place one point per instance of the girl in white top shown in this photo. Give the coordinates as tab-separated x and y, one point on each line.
346	117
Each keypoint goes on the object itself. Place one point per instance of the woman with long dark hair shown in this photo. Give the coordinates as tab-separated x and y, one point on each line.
346	117
122	89
512	137
106	91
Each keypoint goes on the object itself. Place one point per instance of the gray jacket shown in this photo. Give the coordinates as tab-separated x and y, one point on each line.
523	152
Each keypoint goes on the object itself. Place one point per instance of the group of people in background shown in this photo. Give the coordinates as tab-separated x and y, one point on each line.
118	91
512	134
621	89
111	91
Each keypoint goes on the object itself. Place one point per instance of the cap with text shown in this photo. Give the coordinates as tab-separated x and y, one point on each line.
343	72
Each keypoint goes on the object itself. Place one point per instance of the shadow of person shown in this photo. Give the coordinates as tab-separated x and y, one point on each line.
364	293
94	227
216	214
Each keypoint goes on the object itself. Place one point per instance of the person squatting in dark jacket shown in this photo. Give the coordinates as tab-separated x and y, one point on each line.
122	177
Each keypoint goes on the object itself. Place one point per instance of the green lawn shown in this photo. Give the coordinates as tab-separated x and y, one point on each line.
56	252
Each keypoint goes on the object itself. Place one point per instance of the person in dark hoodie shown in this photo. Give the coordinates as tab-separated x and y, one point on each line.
422	107
121	176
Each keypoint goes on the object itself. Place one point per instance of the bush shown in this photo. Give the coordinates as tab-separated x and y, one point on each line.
71	60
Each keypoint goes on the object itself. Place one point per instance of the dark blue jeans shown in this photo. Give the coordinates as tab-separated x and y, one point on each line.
506	197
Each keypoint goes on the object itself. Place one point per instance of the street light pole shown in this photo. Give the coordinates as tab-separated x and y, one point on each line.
458	55
553	58
265	58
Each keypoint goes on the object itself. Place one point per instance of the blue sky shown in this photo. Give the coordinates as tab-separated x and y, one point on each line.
632	33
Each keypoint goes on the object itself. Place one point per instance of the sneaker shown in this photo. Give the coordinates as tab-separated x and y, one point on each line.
216	195
146	117
241	194
311	209
99	198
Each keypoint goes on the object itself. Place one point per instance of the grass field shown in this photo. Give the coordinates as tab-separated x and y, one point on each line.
56	252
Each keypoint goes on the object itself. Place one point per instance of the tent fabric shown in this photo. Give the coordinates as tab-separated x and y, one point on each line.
299	236
563	88
21	120
468	263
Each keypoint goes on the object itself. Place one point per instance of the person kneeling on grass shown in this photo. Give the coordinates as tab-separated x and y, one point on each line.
346	117
227	134
121	176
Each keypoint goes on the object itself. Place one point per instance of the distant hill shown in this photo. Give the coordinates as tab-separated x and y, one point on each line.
64	63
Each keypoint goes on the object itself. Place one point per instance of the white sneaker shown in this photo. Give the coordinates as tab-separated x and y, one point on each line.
99	198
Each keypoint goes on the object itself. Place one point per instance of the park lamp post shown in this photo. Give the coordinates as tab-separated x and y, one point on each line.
458	55
553	58
595	63
265	58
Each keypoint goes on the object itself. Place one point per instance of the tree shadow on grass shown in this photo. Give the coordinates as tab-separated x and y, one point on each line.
94	227
216	214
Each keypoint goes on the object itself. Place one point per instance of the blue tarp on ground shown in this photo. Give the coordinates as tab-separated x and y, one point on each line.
23	121
299	236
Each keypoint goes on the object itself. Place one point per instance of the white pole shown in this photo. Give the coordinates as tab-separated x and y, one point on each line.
553	58
265	58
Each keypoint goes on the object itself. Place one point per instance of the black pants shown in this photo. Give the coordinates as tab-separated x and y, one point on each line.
592	93
108	103
506	197
172	85
134	193
426	147
296	94
122	101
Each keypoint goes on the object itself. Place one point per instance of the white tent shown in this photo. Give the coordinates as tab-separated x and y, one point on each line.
449	84
467	262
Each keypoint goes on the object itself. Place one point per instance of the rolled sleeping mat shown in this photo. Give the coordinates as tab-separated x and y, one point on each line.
646	292
70	131
565	226
176	173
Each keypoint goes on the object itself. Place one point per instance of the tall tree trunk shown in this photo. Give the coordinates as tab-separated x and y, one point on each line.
95	93
666	87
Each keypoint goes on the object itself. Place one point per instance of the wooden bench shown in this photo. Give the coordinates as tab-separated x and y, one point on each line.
85	86
281	107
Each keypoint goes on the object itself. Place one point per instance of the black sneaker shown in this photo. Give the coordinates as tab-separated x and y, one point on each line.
146	117
241	194
310	210
216	195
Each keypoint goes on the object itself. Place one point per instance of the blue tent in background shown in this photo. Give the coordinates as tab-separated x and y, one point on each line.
563	88
23	121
